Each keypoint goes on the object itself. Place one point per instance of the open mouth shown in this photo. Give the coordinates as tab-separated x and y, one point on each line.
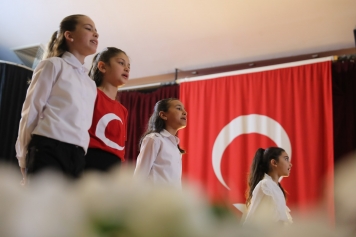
94	42
126	76
184	119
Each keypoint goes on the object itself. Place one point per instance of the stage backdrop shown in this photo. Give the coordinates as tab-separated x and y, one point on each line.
229	117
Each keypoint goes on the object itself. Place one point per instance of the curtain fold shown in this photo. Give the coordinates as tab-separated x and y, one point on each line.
344	107
13	87
140	107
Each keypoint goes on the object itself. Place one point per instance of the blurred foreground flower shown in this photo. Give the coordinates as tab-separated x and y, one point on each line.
345	193
112	204
115	204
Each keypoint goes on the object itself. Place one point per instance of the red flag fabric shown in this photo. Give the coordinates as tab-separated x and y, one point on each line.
230	117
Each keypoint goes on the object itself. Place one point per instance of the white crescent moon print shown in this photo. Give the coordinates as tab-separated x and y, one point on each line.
246	124
100	130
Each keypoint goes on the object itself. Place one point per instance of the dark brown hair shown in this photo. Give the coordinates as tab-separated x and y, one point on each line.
156	123
105	57
260	166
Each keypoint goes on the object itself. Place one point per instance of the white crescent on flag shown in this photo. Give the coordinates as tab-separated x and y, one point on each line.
246	124
100	130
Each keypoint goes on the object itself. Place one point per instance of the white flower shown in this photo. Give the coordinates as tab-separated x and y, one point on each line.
46	207
116	204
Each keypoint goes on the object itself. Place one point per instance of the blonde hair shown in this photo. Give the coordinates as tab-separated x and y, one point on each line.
57	46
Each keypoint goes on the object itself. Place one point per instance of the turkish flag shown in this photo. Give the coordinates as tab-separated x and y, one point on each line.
230	117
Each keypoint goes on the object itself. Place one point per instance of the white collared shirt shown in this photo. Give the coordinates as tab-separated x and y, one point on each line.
59	104
268	203
160	159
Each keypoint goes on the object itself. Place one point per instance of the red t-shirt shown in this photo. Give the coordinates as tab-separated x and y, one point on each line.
108	129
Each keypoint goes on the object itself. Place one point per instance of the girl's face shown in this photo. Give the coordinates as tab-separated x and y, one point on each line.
283	165
85	37
118	72
176	116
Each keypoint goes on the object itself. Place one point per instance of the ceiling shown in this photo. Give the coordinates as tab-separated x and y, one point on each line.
162	35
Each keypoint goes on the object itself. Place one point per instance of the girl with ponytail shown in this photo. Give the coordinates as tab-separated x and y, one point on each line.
265	196
160	158
110	70
58	109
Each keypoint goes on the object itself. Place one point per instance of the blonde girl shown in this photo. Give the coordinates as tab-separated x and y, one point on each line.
58	109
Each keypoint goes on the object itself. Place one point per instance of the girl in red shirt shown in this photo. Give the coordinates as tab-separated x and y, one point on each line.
110	70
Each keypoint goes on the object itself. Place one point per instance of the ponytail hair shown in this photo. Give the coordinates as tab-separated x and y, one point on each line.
58	45
105	55
260	166
156	123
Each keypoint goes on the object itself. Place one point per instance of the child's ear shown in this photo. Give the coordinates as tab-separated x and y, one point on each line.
274	162
162	115
101	67
68	36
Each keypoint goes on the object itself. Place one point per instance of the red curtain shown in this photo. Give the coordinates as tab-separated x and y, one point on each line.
140	107
230	117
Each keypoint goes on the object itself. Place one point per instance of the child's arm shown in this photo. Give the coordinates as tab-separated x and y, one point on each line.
36	98
148	153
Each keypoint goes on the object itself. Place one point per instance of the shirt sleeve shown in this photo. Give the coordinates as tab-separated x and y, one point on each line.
148	153
253	210
279	208
36	98
262	207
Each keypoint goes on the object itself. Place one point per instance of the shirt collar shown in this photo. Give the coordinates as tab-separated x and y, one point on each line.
165	133
269	178
72	60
